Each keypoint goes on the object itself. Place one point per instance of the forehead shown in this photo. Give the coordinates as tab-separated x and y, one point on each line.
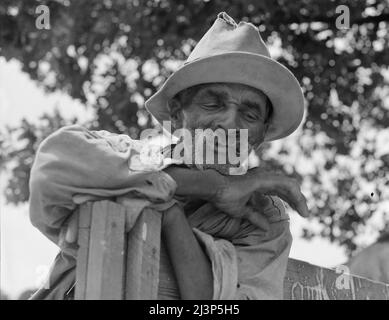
233	91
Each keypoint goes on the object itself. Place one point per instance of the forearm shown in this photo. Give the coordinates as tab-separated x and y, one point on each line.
195	183
191	265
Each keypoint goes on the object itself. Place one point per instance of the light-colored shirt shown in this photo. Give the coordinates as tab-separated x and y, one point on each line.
74	165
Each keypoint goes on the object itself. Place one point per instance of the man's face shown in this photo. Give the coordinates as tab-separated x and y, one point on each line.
226	106
219	108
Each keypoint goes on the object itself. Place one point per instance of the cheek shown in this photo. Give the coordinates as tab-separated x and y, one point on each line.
193	119
256	134
187	120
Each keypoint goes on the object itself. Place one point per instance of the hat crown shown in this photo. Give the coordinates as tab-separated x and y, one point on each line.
226	35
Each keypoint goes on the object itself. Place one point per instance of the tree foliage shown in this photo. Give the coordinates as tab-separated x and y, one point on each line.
112	55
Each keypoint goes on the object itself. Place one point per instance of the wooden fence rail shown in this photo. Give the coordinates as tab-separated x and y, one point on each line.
115	265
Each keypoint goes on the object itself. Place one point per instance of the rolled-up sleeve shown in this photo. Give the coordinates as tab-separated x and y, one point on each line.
222	255
254	270
262	267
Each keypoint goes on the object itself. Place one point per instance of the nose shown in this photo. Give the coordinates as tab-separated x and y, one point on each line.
228	119
229	123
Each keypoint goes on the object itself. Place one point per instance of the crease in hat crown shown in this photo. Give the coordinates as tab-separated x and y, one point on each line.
224	16
225	35
236	53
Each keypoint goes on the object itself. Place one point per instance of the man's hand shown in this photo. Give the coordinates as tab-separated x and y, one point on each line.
233	195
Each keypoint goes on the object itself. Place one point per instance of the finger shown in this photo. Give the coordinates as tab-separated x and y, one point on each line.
286	188
256	218
72	229
302	207
296	199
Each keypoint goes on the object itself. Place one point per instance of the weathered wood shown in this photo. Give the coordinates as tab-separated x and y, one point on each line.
143	254
84	221
305	281
105	277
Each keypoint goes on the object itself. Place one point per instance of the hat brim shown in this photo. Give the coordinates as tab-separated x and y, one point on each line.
254	70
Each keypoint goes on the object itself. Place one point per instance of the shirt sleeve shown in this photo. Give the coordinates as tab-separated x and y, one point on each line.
74	162
253	266
223	257
262	267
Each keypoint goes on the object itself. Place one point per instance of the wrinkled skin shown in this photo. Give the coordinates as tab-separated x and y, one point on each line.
221	108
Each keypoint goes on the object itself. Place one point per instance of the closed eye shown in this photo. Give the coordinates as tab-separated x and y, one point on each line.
251	116
211	106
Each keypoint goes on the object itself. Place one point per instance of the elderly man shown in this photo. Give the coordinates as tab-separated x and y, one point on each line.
225	236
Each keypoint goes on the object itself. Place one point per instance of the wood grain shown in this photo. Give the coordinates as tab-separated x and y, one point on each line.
143	255
105	277
84	221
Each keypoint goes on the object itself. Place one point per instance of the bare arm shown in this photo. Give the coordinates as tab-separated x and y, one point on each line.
191	265
231	194
195	183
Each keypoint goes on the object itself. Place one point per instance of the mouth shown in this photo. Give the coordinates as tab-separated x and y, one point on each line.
235	142
226	148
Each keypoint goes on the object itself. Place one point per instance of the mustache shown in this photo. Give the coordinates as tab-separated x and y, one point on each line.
232	135
231	142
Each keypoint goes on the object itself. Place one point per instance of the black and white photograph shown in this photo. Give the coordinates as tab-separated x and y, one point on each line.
194	150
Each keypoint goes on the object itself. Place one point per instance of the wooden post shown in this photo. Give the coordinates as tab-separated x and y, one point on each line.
143	253
105	262
113	265
85	218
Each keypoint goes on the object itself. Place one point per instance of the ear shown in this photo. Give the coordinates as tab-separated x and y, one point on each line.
176	115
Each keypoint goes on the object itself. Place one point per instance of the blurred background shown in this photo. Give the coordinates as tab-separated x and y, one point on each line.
98	61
